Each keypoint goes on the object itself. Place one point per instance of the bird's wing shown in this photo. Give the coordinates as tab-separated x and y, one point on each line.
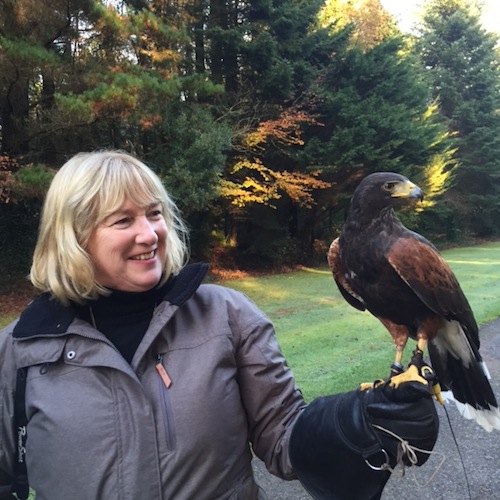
426	272
339	274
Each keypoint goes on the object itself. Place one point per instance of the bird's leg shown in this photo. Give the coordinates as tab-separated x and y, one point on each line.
396	369
413	372
399	334
421	345
418	371
419	352
398	375
397	366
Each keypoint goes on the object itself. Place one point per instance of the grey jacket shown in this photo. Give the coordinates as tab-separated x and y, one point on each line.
100	428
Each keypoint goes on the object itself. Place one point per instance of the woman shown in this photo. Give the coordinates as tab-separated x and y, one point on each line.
142	382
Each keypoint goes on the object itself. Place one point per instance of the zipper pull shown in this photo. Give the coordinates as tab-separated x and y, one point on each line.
163	373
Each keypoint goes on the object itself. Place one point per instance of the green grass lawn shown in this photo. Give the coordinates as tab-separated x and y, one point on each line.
5	320
331	346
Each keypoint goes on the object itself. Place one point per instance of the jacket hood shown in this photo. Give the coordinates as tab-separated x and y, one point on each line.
47	316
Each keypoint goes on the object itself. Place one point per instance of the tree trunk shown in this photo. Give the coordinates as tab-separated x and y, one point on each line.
49	152
231	50
217	21
15	111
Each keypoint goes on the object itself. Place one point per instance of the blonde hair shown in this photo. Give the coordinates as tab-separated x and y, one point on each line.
87	189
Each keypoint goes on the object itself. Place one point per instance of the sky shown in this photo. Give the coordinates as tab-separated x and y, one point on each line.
406	11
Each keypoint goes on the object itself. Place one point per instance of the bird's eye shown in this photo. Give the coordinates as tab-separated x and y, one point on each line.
389	186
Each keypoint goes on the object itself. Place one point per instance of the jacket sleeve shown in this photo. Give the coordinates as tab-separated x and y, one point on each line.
270	396
7	388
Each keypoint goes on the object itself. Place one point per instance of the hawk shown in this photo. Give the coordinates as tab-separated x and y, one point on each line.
398	276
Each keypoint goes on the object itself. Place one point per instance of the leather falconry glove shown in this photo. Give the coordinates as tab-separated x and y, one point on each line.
342	446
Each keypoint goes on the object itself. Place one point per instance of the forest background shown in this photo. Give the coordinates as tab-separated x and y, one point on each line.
260	116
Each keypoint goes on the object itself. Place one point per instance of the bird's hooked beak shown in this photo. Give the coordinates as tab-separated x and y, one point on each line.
407	190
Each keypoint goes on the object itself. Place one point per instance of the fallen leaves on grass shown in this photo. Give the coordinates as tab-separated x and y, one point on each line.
14	301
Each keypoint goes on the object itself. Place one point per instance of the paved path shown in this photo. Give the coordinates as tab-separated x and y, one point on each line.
479	450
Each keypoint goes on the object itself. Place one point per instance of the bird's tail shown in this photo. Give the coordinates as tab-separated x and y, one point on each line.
461	371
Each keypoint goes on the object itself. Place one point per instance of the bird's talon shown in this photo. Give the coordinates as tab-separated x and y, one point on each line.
410	375
365	386
437	393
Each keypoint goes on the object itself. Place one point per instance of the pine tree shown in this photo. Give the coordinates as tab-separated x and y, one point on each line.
463	62
376	114
33	52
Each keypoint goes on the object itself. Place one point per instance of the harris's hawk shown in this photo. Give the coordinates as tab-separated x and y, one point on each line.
381	266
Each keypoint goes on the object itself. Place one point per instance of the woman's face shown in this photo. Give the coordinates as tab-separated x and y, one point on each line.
129	248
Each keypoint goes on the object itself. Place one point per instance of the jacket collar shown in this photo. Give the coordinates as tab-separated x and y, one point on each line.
47	316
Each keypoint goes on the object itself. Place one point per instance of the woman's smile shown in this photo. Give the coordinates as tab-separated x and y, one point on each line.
144	256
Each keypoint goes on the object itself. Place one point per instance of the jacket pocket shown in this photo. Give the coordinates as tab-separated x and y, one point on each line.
166	404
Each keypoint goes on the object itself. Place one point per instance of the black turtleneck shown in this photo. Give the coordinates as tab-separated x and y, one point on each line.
123	317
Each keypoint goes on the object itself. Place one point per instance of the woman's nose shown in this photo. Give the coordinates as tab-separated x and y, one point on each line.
146	233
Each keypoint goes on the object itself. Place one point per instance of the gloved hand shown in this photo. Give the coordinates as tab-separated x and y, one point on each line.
342	446
405	410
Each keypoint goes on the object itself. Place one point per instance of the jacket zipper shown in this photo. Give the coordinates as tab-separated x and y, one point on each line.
164	383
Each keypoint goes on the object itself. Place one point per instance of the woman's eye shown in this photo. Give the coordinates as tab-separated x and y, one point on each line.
121	222
155	214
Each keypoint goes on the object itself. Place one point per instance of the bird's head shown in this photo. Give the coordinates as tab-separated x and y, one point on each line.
384	190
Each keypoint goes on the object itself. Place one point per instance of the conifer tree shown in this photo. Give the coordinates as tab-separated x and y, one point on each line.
463	61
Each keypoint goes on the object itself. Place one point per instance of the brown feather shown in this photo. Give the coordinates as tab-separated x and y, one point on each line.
426	272
339	275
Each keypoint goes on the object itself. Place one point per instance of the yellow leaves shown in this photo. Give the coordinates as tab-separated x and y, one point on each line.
371	22
251	181
437	175
431	110
241	195
286	130
299	186
263	185
161	55
257	189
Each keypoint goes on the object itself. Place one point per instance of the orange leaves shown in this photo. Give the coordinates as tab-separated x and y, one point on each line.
286	130
150	121
263	185
251	180
300	186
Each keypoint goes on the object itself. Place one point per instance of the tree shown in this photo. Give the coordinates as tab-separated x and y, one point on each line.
267	56
94	76
369	22
252	181
462	60
33	37
377	115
